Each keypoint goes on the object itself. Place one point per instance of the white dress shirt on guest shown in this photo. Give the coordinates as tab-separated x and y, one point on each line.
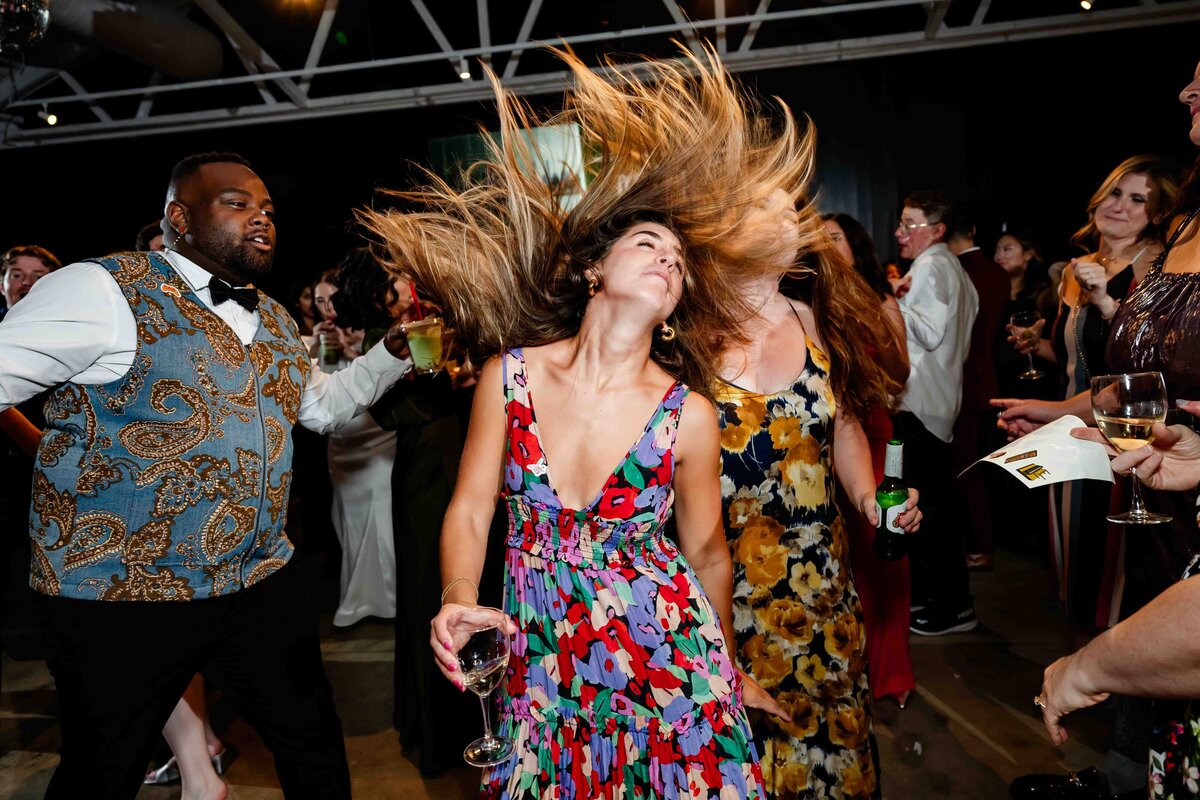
75	325
939	311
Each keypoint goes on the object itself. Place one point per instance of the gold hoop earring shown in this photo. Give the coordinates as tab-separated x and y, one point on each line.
666	332
593	287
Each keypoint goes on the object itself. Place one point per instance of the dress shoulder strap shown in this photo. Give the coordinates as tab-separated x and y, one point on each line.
514	376
670	410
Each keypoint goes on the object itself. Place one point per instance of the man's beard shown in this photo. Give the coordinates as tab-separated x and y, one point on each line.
235	255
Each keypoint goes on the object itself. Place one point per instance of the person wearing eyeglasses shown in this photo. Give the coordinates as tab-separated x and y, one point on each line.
939	309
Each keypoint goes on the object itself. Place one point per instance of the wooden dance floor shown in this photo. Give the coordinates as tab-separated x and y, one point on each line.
971	728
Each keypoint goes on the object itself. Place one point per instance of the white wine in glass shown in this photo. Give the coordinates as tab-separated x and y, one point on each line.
1126	408
1022	324
484	658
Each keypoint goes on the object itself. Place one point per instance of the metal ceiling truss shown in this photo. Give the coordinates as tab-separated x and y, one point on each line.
287	94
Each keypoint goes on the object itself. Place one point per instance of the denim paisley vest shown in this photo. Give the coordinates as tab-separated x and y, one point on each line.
170	483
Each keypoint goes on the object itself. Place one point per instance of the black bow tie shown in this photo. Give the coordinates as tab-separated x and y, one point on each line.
246	297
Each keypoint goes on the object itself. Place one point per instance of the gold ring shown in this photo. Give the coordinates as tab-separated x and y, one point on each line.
1039	701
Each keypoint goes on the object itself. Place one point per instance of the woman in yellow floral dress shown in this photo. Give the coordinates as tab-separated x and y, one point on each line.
787	413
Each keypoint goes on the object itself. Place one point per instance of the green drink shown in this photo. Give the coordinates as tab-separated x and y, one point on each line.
891	496
425	344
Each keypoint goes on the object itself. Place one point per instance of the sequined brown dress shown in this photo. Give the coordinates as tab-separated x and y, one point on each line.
1158	328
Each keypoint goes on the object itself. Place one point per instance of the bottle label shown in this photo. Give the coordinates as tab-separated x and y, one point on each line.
893	461
890	517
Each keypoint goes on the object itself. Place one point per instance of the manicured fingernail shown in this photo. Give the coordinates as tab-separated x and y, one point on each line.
1182	403
446	644
452	668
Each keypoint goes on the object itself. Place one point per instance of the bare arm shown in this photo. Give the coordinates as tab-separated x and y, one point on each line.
23	433
469	515
698	506
1154	653
701	529
1020	417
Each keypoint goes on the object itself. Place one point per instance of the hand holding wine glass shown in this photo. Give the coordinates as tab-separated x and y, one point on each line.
477	638
1127	407
1171	463
1026	330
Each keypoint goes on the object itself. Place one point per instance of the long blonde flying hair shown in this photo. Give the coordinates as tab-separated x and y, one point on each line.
674	142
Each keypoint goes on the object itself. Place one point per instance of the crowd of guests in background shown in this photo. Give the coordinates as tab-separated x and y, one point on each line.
941	369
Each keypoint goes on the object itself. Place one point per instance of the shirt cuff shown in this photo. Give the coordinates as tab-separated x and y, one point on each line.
381	361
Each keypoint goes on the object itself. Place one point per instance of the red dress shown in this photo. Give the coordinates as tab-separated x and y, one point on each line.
884	587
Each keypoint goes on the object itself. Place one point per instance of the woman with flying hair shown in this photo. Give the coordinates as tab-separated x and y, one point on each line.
789	396
613	317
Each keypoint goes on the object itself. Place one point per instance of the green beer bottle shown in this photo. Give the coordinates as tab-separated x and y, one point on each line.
890	498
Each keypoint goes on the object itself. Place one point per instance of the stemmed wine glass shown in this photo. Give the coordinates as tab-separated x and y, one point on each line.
1126	408
1022	324
484	658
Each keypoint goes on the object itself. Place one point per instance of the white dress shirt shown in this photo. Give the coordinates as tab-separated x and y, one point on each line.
75	325
939	311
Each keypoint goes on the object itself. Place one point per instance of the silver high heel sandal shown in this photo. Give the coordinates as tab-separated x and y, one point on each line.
168	773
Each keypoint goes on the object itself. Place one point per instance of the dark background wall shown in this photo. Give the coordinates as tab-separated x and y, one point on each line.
1025	131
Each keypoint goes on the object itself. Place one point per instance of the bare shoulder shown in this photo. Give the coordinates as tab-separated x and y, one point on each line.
553	353
809	320
698	428
891	304
490	377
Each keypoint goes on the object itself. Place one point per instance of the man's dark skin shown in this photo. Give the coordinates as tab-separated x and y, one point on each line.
222	218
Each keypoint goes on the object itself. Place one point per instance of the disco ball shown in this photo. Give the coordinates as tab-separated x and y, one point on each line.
23	23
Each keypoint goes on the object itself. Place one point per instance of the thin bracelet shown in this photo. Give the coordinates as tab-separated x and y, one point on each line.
457	581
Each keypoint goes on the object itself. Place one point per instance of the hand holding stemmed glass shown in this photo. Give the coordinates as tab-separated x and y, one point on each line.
472	648
1127	407
1025	330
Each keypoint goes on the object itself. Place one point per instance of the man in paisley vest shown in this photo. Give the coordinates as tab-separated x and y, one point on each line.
161	485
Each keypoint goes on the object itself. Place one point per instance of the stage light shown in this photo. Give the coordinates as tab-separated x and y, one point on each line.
464	69
1086	5
50	119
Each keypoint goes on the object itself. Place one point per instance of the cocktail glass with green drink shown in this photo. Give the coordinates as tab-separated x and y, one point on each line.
425	344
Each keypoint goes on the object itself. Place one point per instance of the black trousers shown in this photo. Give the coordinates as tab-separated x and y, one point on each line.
936	557
120	668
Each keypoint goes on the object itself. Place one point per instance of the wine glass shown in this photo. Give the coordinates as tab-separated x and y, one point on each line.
484	658
1022	324
1126	408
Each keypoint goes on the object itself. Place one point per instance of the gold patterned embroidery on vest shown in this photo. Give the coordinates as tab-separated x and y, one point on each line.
148	544
53	509
276	438
222	338
158	439
277	496
284	391
98	535
227	528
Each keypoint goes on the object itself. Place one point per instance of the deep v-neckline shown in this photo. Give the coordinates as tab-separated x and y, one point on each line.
537	429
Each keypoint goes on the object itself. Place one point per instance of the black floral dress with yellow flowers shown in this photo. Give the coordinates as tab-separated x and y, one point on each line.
796	616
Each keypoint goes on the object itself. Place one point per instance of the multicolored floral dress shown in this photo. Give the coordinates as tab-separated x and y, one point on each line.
619	685
796	615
